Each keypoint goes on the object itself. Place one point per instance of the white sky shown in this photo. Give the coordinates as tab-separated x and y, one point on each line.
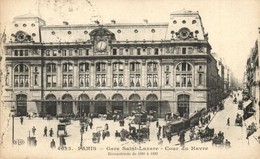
232	24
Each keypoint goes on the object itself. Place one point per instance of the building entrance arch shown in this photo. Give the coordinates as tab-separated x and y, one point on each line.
100	104
83	104
133	104
152	103
67	104
117	102
51	105
183	105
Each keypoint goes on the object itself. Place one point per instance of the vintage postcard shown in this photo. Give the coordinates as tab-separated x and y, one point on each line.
129	79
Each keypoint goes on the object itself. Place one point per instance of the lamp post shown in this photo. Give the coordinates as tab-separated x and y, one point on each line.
13	115
139	124
81	138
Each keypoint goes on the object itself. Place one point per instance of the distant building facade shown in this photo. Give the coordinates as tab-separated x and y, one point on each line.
69	69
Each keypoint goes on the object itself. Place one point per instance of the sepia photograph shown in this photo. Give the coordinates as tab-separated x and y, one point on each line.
83	79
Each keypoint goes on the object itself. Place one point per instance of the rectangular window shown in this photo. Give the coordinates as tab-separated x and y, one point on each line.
65	81
64	52
138	51
156	51
103	79
121	67
87	52
26	52
200	79
15	52
80	52
54	81
47	52
178	80
114	51
54	53
70	80
183	50
70	52
190	51
121	83
131	51
49	80
148	51
121	51
21	52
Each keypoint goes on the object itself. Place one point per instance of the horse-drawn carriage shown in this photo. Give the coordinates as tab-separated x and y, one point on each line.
239	121
61	130
218	141
206	135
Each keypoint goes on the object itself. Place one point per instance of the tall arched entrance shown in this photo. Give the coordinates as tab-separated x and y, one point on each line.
83	104
21	101
67	104
183	105
100	104
152	103
134	99
117	102
51	105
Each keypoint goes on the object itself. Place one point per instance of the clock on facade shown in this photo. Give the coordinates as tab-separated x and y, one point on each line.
184	33
101	46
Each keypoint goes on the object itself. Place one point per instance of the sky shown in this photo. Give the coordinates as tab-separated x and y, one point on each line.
232	25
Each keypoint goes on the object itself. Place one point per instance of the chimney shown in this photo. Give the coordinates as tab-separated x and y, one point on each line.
145	21
65	23
113	21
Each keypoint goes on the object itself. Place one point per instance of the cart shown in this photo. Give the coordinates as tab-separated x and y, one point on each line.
61	130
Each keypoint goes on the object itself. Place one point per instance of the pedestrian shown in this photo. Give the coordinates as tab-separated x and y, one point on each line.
86	128
51	132
169	137
158	135
90	124
157	123
159	128
106	126
228	121
103	134
45	131
33	130
29	115
21	120
53	144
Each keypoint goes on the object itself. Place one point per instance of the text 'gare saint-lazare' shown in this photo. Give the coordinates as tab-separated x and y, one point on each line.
167	148
93	68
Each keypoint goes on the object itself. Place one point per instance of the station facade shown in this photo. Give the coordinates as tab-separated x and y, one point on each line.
94	68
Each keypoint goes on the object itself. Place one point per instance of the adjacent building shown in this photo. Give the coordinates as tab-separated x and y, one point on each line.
95	68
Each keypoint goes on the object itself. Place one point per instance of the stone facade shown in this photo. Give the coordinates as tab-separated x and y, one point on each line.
64	69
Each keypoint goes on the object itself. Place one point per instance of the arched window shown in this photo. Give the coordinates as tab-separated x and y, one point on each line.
118	72
100	74
51	75
84	75
135	74
152	74
67	80
21	76
183	75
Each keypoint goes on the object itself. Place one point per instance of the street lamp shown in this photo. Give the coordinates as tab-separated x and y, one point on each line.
13	110
139	124
81	138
